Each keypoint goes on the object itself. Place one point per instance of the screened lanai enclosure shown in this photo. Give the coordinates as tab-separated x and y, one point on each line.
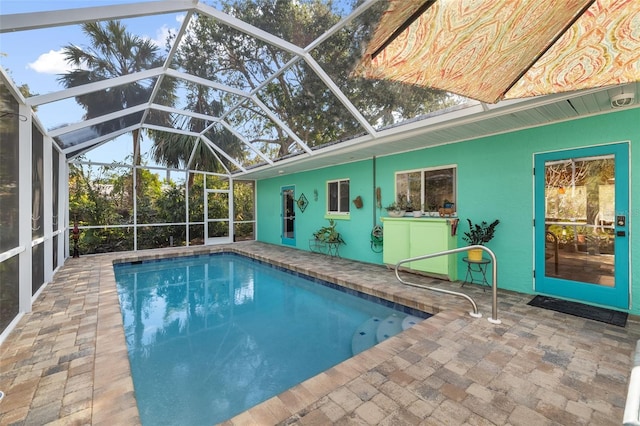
142	119
132	125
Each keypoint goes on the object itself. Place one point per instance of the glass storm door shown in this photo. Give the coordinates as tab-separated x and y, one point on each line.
217	205
288	216
582	251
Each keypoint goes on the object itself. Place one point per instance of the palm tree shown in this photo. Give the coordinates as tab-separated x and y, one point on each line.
174	150
113	52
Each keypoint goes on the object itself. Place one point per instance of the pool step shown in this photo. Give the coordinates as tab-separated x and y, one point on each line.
409	321
390	326
365	335
375	330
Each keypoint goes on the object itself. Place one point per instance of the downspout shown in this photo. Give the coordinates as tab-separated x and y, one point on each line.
374	204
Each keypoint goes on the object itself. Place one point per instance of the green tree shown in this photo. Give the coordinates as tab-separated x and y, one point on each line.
174	150
102	197
214	51
91	202
244	209
196	207
114	52
298	96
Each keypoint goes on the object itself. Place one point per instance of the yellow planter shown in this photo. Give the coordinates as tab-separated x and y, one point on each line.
475	255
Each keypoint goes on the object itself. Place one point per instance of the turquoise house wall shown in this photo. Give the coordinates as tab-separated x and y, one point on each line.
354	229
495	181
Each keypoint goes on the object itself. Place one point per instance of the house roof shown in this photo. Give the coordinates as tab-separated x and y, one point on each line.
292	70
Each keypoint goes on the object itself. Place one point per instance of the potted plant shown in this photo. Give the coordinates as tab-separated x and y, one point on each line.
581	234
328	234
416	209
407	204
395	210
479	234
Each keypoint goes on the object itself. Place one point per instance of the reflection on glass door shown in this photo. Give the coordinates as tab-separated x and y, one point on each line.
288	216
582	250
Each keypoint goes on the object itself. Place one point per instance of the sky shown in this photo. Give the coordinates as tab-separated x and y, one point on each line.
35	57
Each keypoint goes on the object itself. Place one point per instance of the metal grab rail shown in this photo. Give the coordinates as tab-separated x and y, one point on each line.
494	287
631	415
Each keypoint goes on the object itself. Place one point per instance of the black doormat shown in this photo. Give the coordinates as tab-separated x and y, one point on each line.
580	310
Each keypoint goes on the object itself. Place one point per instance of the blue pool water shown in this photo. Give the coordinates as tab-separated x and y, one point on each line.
211	336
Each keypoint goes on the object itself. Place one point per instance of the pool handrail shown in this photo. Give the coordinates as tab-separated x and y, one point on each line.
494	287
631	416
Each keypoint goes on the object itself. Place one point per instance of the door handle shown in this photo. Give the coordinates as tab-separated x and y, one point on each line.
620	233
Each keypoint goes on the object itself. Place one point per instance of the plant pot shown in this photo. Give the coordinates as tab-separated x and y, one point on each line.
417	213
396	213
475	255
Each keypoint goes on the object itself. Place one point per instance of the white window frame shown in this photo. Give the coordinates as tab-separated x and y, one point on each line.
422	171
340	204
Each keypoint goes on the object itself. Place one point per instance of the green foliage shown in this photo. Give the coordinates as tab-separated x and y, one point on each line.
394	207
113	52
403	203
102	196
298	96
244	209
329	234
170	204
480	233
196	197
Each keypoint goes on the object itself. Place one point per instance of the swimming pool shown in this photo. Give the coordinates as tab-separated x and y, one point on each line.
211	336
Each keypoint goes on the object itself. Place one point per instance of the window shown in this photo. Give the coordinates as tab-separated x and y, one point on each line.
338	196
427	189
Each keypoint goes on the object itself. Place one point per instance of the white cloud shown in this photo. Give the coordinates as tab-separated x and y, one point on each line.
161	36
51	63
163	32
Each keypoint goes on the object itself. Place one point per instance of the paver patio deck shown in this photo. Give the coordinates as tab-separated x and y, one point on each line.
66	362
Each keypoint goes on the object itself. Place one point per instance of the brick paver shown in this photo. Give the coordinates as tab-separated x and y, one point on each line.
66	362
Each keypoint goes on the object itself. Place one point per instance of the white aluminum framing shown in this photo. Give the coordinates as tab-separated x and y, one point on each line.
57	18
30	21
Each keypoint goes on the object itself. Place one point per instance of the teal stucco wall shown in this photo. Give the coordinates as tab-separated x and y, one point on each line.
495	181
354	229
